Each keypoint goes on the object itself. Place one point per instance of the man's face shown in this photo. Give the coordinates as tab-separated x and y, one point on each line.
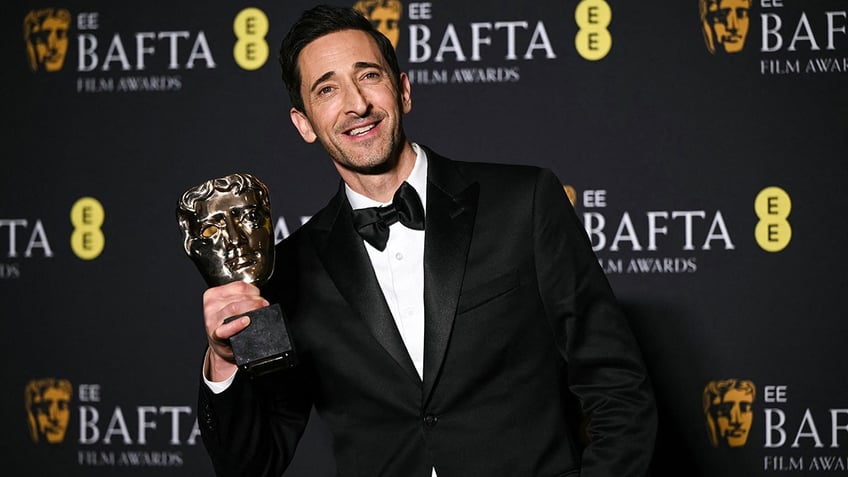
52	413
734	416
232	239
729	22
50	41
351	104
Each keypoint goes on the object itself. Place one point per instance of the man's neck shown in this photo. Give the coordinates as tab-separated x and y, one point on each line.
381	187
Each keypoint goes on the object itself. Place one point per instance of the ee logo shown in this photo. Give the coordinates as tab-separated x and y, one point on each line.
593	40
87	239
251	49
772	206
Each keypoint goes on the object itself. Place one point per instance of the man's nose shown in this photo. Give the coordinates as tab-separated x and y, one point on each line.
356	102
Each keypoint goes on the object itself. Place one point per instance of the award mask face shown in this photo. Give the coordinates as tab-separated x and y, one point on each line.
227	232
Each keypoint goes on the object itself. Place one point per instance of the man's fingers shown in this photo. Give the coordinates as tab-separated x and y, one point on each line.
230	290
227	330
240	306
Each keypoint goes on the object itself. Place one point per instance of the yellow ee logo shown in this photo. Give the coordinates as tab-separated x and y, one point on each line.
87	239
772	206
251	49
593	40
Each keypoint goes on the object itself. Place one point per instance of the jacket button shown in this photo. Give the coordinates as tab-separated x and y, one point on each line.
430	420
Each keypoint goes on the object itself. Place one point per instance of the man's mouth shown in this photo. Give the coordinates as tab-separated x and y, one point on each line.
361	131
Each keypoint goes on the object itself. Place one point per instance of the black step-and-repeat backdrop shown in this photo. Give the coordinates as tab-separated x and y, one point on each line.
704	144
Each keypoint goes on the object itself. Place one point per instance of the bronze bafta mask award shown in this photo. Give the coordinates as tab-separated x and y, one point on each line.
227	232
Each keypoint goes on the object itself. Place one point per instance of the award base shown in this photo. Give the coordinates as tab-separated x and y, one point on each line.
264	346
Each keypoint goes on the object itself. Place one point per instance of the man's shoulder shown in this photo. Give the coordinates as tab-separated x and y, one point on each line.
487	170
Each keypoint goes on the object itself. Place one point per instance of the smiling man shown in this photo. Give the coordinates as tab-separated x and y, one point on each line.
450	316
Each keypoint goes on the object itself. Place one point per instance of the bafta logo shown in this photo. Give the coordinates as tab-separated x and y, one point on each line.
729	411
47	403
725	24
46	38
384	14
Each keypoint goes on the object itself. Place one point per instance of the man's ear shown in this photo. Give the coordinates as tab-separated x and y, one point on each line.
304	127
405	93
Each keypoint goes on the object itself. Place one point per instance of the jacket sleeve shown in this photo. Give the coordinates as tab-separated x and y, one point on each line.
606	371
253	427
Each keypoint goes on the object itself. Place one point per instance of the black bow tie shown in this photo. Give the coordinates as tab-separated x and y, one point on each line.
372	223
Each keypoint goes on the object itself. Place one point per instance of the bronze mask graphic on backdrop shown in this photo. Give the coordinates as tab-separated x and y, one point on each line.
227	232
729	411
47	403
725	24
46	38
384	15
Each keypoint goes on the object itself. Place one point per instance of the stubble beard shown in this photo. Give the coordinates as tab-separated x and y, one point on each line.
375	162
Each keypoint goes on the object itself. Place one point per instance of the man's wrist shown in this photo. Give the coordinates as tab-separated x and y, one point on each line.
217	372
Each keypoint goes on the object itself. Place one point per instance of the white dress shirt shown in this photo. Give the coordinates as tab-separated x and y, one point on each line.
400	267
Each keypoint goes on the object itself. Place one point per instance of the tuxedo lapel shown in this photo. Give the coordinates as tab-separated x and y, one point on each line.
346	261
449	223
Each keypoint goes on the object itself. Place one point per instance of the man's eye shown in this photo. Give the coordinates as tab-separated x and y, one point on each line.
209	231
325	90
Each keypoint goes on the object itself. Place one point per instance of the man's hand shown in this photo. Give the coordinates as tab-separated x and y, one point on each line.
220	303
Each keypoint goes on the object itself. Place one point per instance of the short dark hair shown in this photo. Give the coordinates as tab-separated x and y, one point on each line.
317	22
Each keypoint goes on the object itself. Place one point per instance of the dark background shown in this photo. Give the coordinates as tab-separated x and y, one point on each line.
659	124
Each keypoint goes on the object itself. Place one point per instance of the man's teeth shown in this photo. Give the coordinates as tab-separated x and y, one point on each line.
362	130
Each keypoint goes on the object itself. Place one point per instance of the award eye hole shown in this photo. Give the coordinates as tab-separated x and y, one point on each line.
209	231
252	217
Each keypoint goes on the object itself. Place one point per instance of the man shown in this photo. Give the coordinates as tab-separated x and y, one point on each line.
452	347
226	227
725	24
729	411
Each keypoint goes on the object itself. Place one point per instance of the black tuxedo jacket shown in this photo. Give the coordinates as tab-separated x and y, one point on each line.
520	324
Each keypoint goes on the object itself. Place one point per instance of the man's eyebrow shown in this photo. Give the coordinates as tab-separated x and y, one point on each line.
321	79
361	65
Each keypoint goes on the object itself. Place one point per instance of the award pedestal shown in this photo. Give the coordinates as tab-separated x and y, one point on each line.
264	346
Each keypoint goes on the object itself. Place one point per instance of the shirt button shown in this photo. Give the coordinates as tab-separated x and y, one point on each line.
399	256
430	420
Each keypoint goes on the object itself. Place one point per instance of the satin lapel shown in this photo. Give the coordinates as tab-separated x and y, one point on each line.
346	261
451	208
